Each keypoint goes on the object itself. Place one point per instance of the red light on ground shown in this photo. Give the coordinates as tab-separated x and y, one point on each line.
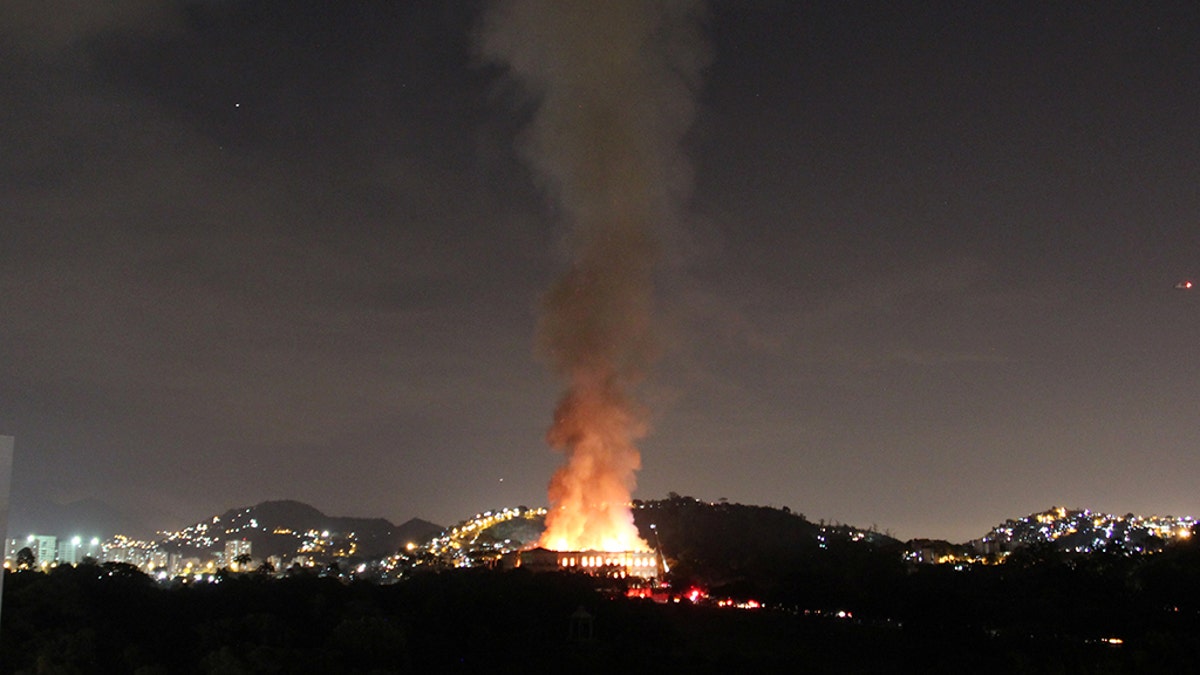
694	594
739	604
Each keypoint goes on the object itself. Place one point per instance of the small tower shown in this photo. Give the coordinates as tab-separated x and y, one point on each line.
581	626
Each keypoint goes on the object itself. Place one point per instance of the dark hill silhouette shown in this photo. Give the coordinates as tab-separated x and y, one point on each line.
764	552
416	531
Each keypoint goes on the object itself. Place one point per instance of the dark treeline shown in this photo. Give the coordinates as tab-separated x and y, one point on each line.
1040	612
1060	607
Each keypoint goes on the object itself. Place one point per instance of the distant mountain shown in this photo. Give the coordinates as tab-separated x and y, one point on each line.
85	518
416	531
289	528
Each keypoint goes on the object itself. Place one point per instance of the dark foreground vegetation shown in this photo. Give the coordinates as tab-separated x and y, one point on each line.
1040	612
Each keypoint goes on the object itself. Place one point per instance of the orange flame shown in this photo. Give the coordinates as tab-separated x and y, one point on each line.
590	494
596	330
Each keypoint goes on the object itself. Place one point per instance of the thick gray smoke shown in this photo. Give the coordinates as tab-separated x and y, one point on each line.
615	82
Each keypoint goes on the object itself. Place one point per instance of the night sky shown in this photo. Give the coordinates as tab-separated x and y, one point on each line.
925	278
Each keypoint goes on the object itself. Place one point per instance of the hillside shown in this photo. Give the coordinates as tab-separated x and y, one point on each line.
1086	531
288	528
760	550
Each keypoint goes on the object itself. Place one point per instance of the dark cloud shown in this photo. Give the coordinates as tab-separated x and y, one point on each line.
46	28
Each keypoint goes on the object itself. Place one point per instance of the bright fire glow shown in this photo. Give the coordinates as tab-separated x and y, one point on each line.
590	494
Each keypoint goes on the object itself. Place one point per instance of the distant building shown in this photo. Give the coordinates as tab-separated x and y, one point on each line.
119	552
50	549
932	551
44	548
157	561
188	565
642	564
990	546
143	554
68	551
235	548
91	548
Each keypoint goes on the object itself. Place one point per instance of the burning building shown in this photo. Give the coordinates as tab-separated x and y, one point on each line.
646	565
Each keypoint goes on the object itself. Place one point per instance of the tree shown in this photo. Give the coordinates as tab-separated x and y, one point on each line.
26	559
124	571
242	559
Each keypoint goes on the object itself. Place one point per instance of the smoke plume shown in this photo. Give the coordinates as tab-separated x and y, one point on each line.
615	84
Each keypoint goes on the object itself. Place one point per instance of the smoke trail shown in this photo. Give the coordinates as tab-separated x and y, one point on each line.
615	82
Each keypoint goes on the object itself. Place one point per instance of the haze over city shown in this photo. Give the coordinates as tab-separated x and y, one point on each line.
929	274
